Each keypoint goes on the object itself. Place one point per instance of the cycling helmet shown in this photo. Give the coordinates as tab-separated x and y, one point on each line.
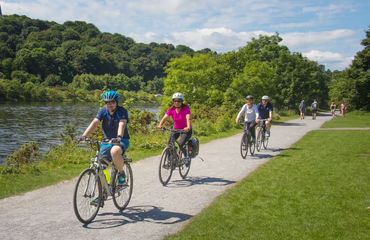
265	97
178	96
249	97
110	95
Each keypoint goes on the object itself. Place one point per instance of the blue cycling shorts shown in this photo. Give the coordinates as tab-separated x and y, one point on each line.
106	147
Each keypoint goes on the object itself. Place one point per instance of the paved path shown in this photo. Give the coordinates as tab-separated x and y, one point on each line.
154	211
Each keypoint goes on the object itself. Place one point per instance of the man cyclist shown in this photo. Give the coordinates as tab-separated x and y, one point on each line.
302	109
180	113
314	107
250	112
265	109
114	119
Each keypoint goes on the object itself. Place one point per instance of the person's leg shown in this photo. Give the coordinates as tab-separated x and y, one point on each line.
252	128
116	153
183	139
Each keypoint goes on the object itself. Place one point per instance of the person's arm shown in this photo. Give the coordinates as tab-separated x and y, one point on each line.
121	128
188	123
160	125
240	113
91	128
270	114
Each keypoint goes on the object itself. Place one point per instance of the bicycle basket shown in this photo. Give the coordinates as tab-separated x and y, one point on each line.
193	146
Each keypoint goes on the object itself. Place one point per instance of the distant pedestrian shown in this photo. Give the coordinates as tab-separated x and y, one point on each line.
314	108
343	109
302	109
333	106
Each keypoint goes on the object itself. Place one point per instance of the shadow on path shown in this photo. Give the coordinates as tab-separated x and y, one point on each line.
288	124
145	213
190	181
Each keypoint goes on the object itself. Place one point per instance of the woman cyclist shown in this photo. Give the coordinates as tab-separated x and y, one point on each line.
180	113
250	112
333	106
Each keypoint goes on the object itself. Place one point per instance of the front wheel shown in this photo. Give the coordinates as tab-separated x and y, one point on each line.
165	167
265	142
259	139
87	197
122	193
183	168
252	145
244	146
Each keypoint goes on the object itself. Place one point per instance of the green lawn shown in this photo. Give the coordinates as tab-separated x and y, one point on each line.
319	189
353	119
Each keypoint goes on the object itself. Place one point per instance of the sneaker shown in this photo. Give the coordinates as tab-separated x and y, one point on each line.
122	178
96	202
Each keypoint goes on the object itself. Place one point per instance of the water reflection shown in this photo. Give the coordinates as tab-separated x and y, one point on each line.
42	123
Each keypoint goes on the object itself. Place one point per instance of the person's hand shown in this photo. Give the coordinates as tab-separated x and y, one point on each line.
257	120
160	127
269	119
187	129
116	140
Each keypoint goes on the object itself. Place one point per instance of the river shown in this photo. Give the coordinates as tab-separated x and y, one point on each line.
42	123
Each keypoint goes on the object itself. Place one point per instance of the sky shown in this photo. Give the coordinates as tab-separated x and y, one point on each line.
327	31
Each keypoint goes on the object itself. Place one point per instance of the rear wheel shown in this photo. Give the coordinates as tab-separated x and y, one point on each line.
122	193
165	167
87	197
244	146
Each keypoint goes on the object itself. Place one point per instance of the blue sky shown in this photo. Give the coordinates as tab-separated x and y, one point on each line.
329	31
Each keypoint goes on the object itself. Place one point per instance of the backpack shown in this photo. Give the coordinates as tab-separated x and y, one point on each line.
193	146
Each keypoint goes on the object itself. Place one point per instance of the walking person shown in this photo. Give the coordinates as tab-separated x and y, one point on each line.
302	109
333	107
314	108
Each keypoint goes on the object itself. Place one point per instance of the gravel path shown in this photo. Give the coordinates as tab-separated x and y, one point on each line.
154	211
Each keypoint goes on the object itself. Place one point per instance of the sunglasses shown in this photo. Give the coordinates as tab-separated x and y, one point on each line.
110	102
177	101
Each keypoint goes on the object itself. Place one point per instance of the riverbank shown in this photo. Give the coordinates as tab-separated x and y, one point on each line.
66	161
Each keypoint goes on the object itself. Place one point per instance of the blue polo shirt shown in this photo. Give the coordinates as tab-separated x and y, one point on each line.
110	122
264	111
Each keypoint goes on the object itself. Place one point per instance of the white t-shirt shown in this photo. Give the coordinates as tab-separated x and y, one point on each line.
250	113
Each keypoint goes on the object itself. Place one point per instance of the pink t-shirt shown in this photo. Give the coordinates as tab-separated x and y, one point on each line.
179	118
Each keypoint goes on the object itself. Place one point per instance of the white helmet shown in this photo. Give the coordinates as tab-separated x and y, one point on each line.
178	96
265	97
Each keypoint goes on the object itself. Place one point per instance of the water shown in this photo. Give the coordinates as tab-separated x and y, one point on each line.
42	123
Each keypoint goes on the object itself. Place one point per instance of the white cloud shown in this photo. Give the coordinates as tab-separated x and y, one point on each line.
303	39
329	58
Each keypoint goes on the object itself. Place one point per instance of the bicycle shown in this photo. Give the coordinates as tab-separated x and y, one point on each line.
246	142
262	139
171	159
95	184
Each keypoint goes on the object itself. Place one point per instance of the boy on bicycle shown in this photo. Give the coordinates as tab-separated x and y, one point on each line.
250	112
114	119
180	113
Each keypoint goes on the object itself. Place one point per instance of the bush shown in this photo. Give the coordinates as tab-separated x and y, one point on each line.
203	127
223	124
26	154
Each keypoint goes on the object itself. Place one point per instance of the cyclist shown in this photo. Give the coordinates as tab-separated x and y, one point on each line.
333	106
265	109
180	113
302	109
114	119
314	107
250	112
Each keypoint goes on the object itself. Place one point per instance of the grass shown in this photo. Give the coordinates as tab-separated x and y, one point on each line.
316	190
356	119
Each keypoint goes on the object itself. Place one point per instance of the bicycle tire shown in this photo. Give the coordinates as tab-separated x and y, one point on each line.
252	146
244	146
265	142
259	139
89	198
183	169
117	191
165	164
